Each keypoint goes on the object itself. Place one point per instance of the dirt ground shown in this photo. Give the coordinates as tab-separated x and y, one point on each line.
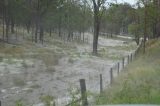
30	71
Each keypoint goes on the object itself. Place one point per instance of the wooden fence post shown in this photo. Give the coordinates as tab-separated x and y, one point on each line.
111	76
0	103
118	67
83	92
123	62
101	84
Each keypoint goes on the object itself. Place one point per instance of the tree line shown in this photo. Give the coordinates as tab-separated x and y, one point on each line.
42	16
69	18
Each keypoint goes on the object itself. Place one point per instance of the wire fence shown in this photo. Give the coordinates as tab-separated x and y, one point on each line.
96	83
103	80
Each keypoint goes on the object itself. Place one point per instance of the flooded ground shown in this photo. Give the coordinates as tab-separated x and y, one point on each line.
31	71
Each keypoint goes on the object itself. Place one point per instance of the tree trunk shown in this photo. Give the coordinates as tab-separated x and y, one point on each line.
154	30
145	30
96	32
158	29
50	31
83	36
12	25
7	23
69	36
59	27
23	32
79	37
16	31
111	33
3	21
41	33
32	33
28	27
7	28
37	21
36	32
155	3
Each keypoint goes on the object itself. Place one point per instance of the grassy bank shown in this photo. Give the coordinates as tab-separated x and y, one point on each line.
139	83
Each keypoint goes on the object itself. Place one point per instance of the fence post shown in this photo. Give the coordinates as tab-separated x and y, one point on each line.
101	84
0	103
118	67
128	59
111	76
123	62
83	92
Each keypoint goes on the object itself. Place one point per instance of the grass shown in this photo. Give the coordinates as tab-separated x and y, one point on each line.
36	86
115	37
47	99
19	82
125	48
51	69
71	60
140	81
19	103
49	57
24	64
10	49
104	53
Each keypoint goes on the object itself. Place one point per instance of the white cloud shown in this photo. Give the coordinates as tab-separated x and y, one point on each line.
128	1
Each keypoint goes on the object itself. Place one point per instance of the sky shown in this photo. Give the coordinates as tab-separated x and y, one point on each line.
128	1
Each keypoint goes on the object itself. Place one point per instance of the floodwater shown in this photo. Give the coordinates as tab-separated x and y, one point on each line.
28	80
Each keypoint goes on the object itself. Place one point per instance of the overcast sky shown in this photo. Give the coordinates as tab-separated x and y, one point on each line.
128	1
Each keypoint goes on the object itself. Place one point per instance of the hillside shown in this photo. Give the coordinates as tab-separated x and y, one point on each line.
139	83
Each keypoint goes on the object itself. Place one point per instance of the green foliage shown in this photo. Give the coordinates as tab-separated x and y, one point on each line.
47	100
116	18
139	84
74	93
135	29
19	103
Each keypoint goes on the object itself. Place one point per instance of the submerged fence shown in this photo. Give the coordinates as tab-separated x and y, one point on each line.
102	79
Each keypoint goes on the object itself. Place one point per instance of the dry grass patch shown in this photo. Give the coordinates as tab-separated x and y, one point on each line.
11	50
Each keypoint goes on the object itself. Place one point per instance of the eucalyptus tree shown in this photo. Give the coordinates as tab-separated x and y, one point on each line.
2	11
74	17
86	17
136	26
98	7
146	5
156	5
